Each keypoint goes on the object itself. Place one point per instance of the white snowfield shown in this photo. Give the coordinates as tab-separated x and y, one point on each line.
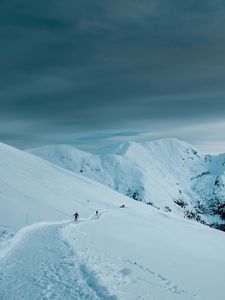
135	252
168	173
33	190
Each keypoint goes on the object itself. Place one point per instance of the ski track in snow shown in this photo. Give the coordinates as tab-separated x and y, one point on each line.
44	266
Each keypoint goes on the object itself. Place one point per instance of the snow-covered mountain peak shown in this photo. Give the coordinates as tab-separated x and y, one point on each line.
118	148
170	147
59	149
167	144
167	173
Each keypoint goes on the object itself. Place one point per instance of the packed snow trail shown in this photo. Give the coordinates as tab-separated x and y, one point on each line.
44	266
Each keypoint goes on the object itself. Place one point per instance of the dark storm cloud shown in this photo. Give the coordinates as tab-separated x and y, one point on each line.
72	67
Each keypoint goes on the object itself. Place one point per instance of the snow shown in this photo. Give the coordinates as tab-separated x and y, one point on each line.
127	254
135	252
141	254
34	190
49	269
160	172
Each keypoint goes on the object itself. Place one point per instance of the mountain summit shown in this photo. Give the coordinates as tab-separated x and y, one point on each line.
169	174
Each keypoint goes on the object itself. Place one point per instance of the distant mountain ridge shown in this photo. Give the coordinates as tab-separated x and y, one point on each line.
169	174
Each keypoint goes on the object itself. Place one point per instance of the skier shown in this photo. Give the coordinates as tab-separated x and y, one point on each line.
122	206
96	213
76	216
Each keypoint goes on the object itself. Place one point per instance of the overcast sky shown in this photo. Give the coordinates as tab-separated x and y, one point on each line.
93	72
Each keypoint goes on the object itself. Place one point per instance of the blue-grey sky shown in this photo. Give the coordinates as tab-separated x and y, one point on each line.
90	73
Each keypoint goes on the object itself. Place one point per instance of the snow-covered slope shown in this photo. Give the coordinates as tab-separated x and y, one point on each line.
168	173
125	254
136	252
32	189
142	254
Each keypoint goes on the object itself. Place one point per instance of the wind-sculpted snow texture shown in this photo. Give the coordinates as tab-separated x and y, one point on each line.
168	174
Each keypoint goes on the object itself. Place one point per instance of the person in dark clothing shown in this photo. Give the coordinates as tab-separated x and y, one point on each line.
96	213
76	216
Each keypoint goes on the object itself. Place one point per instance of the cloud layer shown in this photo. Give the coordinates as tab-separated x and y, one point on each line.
72	68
